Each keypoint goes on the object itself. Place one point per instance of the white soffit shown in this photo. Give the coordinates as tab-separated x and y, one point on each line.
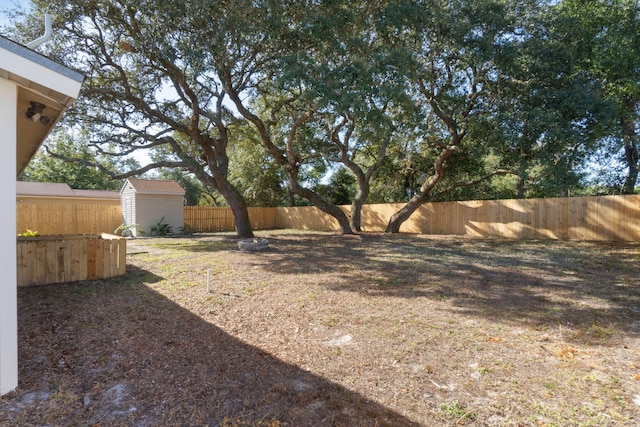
39	79
31	70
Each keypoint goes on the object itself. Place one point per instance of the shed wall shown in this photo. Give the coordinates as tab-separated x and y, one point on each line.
128	205
150	208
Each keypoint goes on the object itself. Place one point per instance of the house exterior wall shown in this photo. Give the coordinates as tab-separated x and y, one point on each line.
39	200
26	77
128	205
8	251
150	208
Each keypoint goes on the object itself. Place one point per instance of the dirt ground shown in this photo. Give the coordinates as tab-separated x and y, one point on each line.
330	330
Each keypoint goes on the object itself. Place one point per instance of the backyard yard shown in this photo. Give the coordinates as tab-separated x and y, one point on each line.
330	330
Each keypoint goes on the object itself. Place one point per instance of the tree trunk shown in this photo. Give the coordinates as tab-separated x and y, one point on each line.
236	204
363	178
238	207
631	156
321	204
364	186
356	214
288	158
520	188
218	161
292	199
398	218
240	215
631	149
356	205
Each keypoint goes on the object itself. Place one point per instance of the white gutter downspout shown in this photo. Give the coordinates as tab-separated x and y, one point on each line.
48	32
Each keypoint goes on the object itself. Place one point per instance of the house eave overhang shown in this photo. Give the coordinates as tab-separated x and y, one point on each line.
39	196
32	70
42	80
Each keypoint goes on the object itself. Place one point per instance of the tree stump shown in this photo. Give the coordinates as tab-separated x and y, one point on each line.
253	245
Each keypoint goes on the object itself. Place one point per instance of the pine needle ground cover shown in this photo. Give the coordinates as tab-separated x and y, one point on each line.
323	329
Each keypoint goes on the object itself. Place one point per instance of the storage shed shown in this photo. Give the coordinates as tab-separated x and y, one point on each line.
145	202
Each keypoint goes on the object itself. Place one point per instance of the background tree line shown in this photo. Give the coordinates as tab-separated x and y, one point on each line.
271	103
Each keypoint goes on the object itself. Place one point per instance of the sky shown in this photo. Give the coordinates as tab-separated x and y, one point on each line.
10	5
6	5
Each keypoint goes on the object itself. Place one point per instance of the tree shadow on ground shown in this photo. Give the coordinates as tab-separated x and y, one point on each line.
192	243
118	353
577	284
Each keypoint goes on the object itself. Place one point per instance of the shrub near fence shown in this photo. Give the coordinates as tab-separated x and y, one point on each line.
58	259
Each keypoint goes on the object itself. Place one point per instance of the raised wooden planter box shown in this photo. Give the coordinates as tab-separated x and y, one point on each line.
58	259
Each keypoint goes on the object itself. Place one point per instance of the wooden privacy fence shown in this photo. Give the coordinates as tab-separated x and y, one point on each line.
579	218
210	219
606	218
58	259
67	219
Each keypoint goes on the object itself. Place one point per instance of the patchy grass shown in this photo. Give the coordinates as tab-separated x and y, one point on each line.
324	329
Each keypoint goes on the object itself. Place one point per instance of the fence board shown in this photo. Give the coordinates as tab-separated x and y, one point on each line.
91	259
122	257
579	218
73	257
57	259
39	265
67	219
98	260
205	219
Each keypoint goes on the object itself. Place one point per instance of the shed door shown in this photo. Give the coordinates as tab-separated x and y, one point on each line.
127	213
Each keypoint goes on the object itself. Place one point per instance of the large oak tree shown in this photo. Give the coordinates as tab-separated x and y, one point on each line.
151	83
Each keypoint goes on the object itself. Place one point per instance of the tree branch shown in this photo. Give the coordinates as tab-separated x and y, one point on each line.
473	182
113	175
